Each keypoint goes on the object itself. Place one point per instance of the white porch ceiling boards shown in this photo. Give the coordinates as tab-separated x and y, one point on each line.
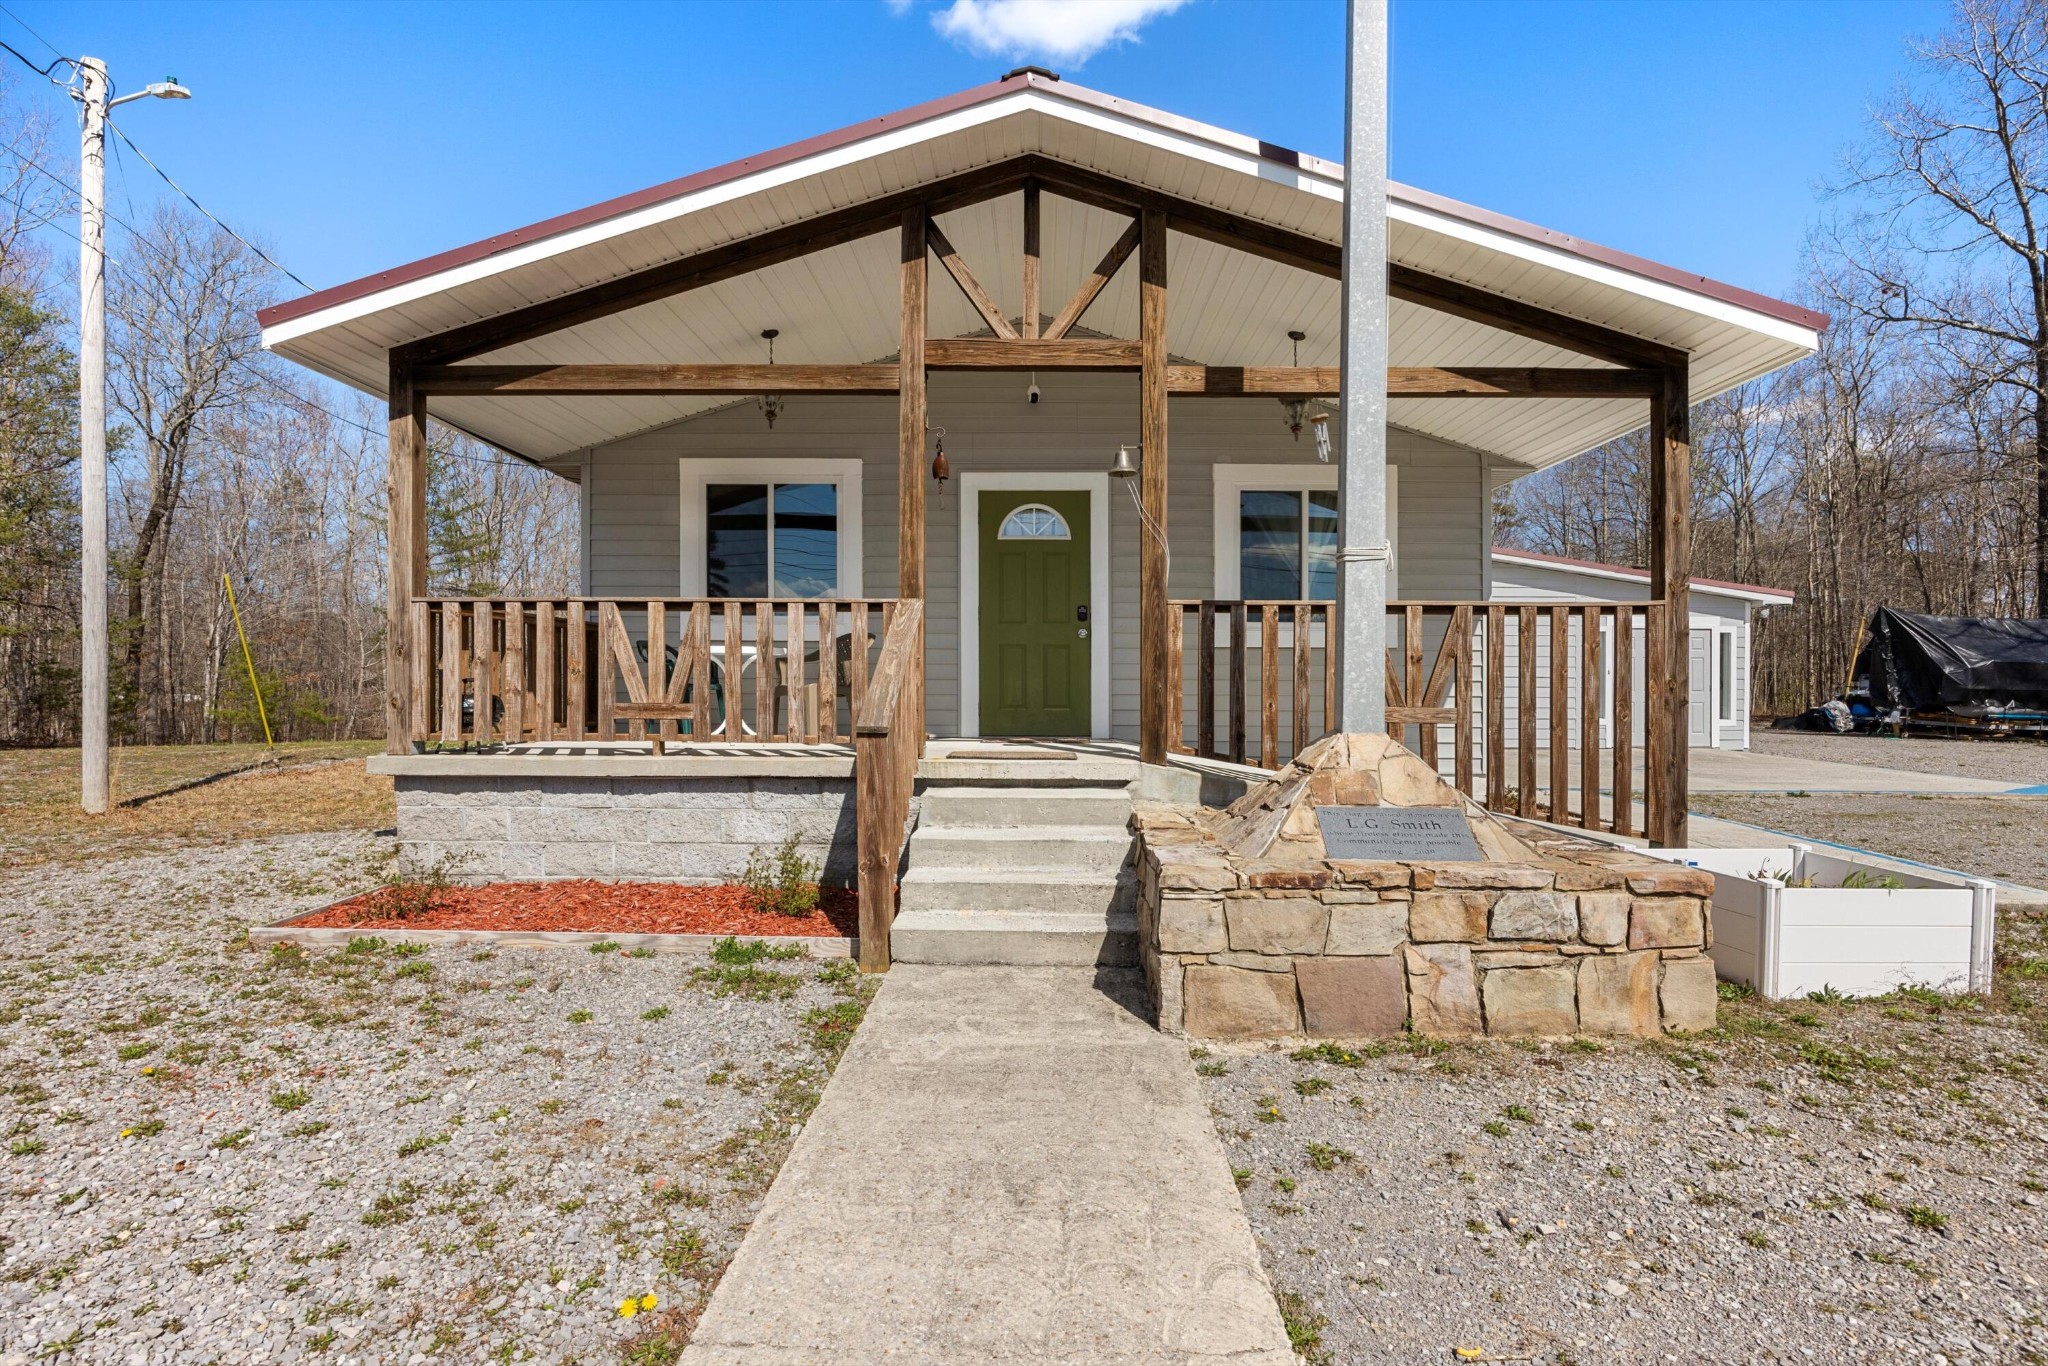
1225	307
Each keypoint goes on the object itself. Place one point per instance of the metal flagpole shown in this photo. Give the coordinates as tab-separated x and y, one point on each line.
1362	464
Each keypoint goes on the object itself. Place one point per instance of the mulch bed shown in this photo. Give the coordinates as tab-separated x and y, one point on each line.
600	907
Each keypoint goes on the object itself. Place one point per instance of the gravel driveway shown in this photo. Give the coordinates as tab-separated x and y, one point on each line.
1809	1183
219	1153
1999	837
2022	763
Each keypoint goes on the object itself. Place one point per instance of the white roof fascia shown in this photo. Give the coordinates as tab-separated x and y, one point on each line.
1656	291
1621	575
652	215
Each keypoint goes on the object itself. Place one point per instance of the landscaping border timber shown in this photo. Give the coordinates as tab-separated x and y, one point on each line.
341	936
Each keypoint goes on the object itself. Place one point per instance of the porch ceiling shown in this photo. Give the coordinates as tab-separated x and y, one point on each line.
1226	307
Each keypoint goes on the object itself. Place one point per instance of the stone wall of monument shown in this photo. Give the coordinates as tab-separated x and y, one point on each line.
1583	939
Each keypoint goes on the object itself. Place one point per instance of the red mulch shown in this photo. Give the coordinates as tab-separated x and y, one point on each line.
601	907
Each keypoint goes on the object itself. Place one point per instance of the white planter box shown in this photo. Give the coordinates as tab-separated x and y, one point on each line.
1784	940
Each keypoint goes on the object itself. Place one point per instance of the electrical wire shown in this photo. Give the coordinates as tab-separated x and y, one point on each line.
43	71
33	34
262	254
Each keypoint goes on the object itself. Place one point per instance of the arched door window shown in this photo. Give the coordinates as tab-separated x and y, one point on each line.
1034	522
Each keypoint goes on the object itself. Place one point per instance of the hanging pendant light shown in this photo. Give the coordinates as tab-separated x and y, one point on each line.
1296	408
770	404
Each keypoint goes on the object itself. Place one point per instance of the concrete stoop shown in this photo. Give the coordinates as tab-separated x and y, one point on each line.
1026	873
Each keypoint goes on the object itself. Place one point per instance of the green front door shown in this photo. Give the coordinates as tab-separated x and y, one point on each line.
1036	627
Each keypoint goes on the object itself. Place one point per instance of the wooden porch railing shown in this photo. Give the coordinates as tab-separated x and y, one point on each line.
728	671
1538	708
888	742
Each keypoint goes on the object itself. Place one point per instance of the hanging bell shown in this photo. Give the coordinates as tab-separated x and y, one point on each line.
942	468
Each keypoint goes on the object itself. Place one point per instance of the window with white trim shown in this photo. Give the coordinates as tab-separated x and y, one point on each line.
771	528
1276	532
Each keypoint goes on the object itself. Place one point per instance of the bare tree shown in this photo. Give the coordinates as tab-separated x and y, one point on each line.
182	346
1949	233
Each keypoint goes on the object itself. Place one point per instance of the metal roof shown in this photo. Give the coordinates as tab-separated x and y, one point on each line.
1750	592
1225	307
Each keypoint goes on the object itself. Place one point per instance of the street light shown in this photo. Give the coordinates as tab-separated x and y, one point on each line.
94	91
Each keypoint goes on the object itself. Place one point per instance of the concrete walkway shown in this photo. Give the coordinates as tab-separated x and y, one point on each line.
1009	1166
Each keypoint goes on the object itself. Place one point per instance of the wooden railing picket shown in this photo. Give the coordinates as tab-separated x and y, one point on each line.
1205	681
1269	685
1624	719
1302	614
1496	707
1589	717
1239	624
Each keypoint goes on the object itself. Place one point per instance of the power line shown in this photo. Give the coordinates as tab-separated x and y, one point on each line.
33	34
265	256
43	71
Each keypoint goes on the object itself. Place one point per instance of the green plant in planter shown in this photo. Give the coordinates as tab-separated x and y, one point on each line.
782	883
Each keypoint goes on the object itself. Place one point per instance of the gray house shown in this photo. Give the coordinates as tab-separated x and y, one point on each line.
852	420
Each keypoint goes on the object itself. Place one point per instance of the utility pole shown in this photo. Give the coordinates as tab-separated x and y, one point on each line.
92	435
93	92
1362	551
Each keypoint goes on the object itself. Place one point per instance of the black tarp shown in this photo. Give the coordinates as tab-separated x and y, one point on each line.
1974	665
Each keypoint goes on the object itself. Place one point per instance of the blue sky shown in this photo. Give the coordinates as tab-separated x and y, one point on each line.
351	137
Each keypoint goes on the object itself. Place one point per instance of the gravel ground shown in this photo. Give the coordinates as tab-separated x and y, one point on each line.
2019	762
225	1154
1807	1183
2001	837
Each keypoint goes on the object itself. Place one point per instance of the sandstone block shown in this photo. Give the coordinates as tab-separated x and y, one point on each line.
1618	994
1366	929
1191	925
1353	787
1230	1003
1191	867
1576	877
1275	875
1689	994
1349	896
1671	881
1447	917
1531	1001
1276	924
1661	922
1404	780
1490	876
1352	998
1254	962
1443	990
1371	873
1603	917
1529	956
1552	917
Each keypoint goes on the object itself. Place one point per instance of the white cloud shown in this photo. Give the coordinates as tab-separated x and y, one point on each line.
899	8
1069	31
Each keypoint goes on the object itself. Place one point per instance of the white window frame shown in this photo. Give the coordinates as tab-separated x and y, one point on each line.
1233	480
1101	605
697	472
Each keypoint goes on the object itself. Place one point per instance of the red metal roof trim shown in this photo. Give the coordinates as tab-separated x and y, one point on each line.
981	94
1630	571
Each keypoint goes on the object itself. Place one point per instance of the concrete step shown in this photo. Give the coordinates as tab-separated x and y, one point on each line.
962	807
1052	891
1080	848
1015	938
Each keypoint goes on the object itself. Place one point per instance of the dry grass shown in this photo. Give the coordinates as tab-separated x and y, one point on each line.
311	786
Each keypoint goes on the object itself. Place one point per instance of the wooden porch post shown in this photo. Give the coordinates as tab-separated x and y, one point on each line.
910	424
405	550
1665	785
1153	742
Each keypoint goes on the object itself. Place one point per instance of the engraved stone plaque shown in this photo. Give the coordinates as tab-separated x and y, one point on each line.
1391	833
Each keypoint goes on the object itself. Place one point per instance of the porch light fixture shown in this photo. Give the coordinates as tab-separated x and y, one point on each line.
770	404
1296	407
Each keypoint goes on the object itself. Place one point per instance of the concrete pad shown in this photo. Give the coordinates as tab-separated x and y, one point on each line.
1009	1166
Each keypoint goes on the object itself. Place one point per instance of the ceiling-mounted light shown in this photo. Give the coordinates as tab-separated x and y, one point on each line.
770	404
1296	408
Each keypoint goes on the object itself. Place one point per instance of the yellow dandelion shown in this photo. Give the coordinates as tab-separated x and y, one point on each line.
127	1133
149	1071
628	1307
648	1301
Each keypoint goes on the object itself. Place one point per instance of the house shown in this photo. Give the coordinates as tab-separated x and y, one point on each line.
997	417
1718	657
